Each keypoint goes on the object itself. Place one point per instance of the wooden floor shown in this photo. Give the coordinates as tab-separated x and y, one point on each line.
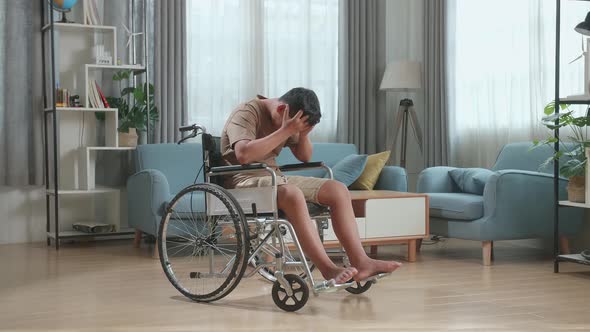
112	286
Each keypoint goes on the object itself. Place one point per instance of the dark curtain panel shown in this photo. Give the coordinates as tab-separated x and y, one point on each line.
436	143
362	111
21	105
170	69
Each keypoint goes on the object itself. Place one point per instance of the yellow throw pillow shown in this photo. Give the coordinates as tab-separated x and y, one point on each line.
368	179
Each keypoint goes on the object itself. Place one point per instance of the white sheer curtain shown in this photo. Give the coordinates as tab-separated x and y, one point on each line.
501	72
240	48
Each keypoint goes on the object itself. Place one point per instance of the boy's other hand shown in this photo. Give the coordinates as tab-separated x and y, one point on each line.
296	124
306	131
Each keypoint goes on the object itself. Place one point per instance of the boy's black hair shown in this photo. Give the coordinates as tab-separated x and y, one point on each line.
303	99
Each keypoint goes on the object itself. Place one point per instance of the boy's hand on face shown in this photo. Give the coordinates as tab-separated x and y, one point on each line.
306	131
296	124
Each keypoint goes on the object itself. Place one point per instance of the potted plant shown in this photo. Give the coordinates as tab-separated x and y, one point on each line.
133	118
572	156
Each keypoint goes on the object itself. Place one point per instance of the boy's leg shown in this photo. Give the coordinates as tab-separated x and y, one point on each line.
292	202
335	195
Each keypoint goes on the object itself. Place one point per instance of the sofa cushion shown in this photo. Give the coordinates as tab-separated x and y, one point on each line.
370	175
471	180
350	168
456	206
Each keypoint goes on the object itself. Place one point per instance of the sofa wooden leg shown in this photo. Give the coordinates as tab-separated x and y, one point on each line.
564	245
374	250
487	249
137	239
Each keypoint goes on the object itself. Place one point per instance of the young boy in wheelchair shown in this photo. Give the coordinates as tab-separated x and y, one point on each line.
255	132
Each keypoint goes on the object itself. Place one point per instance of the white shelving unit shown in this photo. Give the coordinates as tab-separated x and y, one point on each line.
71	154
583	99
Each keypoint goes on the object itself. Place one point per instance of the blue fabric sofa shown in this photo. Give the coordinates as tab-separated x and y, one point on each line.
162	170
517	202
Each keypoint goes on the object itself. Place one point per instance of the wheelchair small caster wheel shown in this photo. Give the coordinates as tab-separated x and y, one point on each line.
294	302
359	287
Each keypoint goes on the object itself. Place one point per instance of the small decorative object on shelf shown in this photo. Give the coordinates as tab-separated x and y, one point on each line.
100	56
63	98
75	101
63	6
128	138
130	36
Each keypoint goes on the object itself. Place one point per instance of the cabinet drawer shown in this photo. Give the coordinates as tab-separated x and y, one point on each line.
395	217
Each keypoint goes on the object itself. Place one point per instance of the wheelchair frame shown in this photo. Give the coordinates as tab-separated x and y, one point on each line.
272	243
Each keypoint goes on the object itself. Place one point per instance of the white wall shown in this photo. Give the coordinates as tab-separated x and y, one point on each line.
22	214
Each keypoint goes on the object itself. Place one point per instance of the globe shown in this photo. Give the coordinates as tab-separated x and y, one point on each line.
63	6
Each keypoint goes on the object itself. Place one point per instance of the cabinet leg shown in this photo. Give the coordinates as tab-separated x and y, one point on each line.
418	245
564	245
374	250
487	248
411	251
137	239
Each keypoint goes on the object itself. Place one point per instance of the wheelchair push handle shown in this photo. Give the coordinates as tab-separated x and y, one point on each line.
193	127
196	130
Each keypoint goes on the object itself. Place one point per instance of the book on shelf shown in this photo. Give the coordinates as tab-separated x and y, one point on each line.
102	97
94	97
93	227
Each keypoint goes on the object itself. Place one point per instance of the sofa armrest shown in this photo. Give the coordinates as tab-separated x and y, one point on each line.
392	178
436	180
147	191
520	203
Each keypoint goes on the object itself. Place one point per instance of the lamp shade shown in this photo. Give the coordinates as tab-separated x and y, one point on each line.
402	76
584	27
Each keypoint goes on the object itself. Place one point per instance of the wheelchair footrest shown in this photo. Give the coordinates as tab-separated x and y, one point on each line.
329	286
376	277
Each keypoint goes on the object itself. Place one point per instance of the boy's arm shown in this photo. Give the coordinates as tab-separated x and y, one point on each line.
303	150
249	151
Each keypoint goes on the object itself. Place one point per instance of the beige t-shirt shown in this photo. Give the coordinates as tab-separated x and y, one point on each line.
249	121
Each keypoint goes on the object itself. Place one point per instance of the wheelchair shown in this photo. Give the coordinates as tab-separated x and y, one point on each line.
210	237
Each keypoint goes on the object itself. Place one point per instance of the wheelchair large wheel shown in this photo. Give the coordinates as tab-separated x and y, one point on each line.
203	242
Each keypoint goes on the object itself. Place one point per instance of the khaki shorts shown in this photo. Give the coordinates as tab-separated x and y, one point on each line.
310	186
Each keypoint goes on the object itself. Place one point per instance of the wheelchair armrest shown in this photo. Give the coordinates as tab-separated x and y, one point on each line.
301	166
237	168
304	166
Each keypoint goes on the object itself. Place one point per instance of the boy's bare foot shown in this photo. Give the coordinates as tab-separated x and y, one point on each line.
371	267
341	275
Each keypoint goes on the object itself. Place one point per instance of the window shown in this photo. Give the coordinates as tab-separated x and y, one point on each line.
240	48
501	72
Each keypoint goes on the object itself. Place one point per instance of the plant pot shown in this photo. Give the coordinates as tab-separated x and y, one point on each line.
128	139
576	189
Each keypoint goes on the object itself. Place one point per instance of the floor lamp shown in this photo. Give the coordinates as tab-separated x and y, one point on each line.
404	76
